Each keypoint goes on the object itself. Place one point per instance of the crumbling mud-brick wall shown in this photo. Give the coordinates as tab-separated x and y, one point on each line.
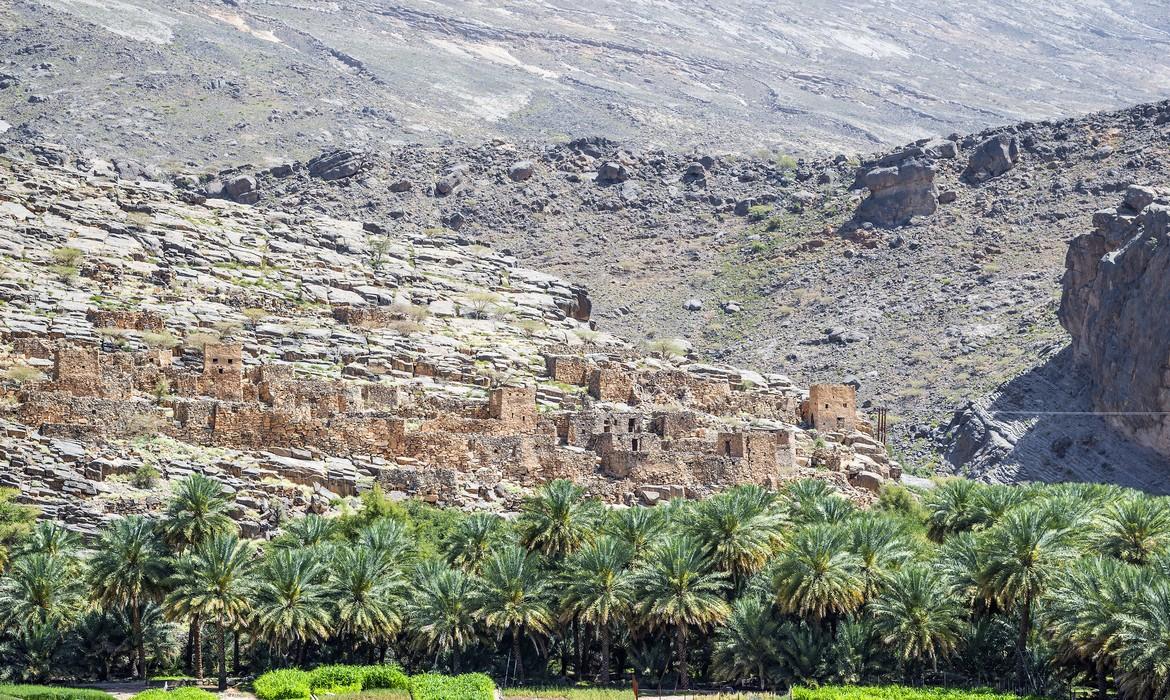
674	386
514	406
675	425
99	417
613	384
125	320
621	453
755	454
223	371
764	404
568	369
831	408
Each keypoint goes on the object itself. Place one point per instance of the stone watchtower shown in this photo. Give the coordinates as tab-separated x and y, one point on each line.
514	405
223	371
831	408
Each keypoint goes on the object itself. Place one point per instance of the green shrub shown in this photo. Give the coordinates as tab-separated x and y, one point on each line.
44	692
188	693
386	677
337	678
469	686
286	684
759	212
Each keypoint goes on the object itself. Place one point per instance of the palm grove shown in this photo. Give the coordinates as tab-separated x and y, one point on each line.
1036	588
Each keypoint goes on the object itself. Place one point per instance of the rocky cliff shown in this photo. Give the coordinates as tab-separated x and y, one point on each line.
1116	285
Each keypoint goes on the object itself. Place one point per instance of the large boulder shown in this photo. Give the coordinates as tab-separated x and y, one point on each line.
521	171
898	192
1115	287
992	158
335	165
612	171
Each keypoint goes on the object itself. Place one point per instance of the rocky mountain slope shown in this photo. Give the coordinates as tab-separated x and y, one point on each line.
230	81
303	358
764	262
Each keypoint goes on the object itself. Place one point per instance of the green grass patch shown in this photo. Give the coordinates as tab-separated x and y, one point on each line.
469	686
176	694
45	692
285	684
896	692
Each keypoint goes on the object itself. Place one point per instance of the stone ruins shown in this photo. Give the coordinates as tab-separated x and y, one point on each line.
279	354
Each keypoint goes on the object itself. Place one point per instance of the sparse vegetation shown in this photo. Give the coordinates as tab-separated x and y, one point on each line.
23	374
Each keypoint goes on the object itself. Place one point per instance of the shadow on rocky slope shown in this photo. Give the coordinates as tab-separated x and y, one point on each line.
1041	426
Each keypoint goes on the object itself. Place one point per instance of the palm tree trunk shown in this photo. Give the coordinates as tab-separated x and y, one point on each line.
565	650
579	664
139	644
197	642
455	660
763	682
680	640
236	652
604	654
1022	641
222	655
516	654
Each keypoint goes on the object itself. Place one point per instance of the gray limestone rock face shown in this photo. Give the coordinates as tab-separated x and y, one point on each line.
992	158
1114	292
899	192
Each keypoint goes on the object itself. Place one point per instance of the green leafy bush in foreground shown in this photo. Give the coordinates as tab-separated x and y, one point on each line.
44	692
176	694
384	677
895	692
470	686
285	684
336	678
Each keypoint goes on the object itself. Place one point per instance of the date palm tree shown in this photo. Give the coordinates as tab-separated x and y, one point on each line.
366	592
48	537
1143	643
128	571
1025	553
440	610
1134	530
512	597
637	528
679	590
817	576
199	509
473	541
953	507
1084	612
739	529
882	546
557	519
746	645
213	584
40	589
599	590
918	616
292	601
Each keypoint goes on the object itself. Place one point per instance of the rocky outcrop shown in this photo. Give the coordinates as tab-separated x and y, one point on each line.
1115	287
336	165
992	158
900	188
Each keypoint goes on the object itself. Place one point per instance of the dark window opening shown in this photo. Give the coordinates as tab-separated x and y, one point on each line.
727	447
840	421
635	444
633	424
826	405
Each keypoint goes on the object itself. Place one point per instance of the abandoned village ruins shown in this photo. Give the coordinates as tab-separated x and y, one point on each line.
301	359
